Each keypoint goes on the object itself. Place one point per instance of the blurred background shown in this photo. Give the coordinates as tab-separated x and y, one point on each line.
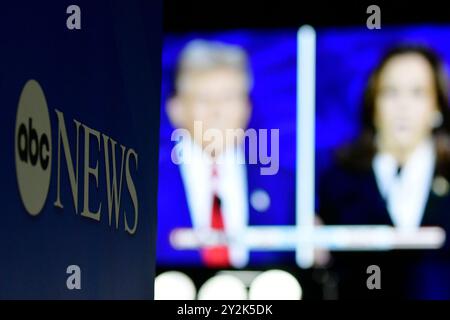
349	59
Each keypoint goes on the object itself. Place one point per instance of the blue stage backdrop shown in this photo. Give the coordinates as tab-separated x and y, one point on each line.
345	58
79	148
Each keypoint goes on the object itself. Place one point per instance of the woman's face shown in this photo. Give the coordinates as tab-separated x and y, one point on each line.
406	103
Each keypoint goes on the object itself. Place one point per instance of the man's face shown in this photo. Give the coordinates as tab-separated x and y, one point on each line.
217	97
406	101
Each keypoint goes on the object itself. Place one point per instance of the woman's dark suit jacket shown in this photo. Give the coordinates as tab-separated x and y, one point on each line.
351	196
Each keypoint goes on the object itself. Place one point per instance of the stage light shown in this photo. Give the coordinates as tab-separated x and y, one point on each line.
275	285
223	287
174	285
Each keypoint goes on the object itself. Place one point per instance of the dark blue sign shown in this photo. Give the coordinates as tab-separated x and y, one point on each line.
79	131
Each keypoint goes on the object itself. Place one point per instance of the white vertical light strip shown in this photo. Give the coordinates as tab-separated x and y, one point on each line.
305	148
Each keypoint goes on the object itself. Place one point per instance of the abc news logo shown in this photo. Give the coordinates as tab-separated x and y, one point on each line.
33	157
32	147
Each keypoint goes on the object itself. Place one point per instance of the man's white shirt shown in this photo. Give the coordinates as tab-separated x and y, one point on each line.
230	186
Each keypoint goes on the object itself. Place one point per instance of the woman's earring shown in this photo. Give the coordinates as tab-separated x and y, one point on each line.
438	120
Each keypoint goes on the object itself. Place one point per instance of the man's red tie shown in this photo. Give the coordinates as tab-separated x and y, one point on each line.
216	256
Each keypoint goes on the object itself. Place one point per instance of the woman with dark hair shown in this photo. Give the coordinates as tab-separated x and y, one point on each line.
396	173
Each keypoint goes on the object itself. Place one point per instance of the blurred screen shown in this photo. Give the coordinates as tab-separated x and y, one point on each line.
344	61
318	214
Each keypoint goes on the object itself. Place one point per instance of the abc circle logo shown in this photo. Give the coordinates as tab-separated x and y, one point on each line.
33	147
